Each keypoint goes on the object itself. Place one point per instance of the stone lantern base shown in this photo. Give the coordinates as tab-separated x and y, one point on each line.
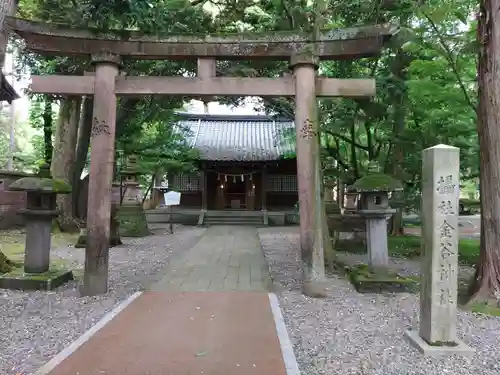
19	280
366	280
133	222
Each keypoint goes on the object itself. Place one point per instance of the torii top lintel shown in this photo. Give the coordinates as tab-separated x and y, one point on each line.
337	44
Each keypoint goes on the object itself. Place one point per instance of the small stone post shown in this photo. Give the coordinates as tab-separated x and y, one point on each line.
306	127
102	142
439	270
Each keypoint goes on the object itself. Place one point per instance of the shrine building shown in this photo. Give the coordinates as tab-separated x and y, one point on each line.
246	163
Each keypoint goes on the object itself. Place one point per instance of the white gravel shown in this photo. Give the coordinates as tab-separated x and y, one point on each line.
352	333
36	326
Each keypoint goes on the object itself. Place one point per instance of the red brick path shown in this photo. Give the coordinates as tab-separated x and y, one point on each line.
184	333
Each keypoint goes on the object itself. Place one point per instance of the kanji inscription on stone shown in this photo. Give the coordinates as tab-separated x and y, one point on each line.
445	296
445	185
446	272
446	208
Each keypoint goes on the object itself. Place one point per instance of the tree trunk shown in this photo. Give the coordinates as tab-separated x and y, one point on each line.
63	158
7	8
82	149
156	194
486	282
48	122
399	67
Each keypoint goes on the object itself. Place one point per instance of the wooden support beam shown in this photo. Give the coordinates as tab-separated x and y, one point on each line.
207	68
71	85
207	86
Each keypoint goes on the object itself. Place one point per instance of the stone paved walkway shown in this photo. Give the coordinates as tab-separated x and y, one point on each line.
225	258
210	314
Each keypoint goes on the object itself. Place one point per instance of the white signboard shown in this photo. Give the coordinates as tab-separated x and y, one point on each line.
172	198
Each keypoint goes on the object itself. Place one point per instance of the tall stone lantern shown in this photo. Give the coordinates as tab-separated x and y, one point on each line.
131	215
41	209
41	193
374	189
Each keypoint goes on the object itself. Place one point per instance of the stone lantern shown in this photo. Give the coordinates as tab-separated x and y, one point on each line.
131	215
374	189
41	194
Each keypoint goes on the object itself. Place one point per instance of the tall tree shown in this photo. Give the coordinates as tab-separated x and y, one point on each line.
487	279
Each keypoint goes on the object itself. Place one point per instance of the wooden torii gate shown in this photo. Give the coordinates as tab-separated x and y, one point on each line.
107	49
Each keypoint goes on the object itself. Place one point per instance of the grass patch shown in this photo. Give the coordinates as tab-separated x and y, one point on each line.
485	308
408	246
12	244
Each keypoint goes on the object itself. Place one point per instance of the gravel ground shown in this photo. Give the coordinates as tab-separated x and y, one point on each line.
36	326
351	333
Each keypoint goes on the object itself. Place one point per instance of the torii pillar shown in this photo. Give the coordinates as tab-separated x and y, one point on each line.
102	143
307	132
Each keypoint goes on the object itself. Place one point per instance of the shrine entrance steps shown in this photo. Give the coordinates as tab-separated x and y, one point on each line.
190	216
210	314
233	218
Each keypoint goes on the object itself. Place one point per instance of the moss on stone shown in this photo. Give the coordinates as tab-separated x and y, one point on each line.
332	208
366	280
18	272
18	279
42	185
377	182
132	221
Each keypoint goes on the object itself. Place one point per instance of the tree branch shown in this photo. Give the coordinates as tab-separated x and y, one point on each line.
451	61
347	139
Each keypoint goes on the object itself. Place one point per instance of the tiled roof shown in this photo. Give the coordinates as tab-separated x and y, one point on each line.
7	93
237	137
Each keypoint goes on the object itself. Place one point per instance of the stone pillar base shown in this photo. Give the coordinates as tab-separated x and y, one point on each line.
460	348
314	289
133	222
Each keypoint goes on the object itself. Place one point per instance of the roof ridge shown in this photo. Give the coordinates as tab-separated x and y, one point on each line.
231	117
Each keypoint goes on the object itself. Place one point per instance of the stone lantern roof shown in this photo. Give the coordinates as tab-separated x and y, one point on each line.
43	183
374	182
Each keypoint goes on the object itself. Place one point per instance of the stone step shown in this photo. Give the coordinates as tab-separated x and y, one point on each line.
235	220
225	221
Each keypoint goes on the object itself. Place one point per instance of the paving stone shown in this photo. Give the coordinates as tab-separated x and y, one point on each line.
225	258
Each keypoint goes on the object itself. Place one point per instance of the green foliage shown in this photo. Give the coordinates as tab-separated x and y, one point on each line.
410	247
425	79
